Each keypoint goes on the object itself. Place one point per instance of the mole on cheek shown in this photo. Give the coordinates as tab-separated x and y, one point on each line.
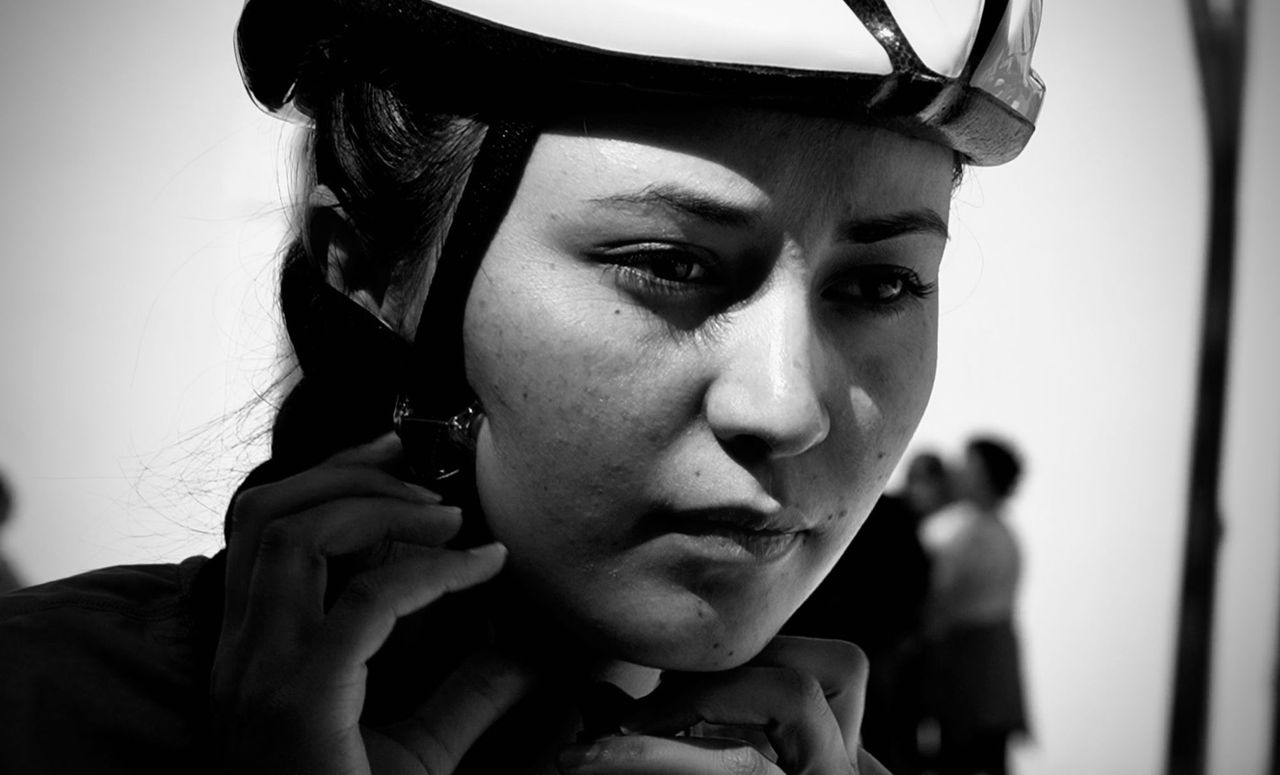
836	515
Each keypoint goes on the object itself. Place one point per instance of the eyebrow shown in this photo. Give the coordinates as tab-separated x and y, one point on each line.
683	201
878	228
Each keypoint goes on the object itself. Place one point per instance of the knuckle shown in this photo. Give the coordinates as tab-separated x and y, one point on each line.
434	751
280	534
847	659
743	760
247	507
848	655
802	687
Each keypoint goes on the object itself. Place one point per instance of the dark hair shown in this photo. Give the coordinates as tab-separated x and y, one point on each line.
396	173
1000	461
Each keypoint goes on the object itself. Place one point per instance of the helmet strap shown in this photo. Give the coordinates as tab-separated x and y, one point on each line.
438	391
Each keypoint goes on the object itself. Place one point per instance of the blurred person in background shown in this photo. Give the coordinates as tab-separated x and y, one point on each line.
974	677
875	597
929	486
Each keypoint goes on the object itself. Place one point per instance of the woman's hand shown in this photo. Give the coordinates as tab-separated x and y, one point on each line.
289	675
796	708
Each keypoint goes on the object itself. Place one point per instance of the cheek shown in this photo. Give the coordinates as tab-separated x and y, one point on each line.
576	413
899	380
875	410
874	419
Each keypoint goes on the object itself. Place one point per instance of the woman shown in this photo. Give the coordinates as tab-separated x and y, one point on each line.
648	302
975	675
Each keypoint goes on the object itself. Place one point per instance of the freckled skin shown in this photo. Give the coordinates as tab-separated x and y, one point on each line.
621	413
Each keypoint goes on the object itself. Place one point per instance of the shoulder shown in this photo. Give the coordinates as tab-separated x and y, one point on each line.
110	658
138	591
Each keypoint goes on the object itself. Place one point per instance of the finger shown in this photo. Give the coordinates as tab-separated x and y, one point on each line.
360	470
841	669
314	486
644	755
287	592
381	451
467	703
255	508
870	765
365	613
787	704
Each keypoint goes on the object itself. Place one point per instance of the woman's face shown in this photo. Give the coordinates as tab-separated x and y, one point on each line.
702	343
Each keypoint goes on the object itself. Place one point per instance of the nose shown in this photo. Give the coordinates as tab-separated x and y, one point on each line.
765	401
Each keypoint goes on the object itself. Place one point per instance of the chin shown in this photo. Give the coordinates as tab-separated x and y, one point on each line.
701	639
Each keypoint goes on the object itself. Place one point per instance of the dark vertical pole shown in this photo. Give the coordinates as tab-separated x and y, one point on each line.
1275	713
1219	34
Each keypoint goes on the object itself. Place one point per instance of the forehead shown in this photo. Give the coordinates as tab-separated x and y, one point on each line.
759	157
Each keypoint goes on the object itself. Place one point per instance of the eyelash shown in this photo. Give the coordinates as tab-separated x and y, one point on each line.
912	287
635	267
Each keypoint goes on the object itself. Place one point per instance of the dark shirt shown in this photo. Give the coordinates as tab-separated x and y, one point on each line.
874	596
107	671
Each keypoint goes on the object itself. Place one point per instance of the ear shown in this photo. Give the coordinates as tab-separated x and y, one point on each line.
331	237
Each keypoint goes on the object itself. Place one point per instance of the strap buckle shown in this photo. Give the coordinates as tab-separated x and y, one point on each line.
437	449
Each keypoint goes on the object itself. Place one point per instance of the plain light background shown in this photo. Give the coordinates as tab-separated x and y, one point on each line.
143	199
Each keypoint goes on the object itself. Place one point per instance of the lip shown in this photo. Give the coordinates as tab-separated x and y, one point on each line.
735	534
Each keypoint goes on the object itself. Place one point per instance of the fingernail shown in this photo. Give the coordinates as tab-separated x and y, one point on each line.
574	756
422	493
495	549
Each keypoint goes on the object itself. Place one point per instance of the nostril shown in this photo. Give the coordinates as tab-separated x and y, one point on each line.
747	450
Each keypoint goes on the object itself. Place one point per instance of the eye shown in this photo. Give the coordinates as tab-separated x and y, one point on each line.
672	266
878	288
661	268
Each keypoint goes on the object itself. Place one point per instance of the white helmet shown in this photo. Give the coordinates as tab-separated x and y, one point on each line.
956	72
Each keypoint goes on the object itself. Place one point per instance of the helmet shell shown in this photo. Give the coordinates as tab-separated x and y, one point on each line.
958	73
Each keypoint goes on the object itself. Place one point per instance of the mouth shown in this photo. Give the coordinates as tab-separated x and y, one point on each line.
735	535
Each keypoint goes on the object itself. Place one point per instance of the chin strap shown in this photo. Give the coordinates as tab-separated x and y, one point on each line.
437	415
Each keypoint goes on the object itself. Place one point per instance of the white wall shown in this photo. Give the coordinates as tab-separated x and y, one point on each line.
141	213
141	207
